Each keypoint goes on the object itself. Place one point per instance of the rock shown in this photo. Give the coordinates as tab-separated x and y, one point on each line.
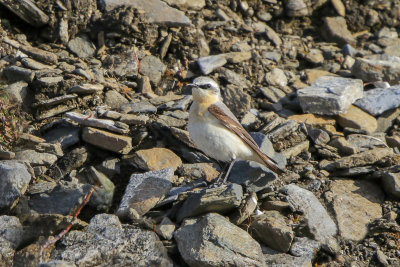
391	184
114	100
35	158
54	101
110	167
377	101
143	192
368	157
49	81
386	119
106	241
86	120
123	64
356	204
313	120
166	228
206	171
63	198
50	148
238	101
56	263
221	199
315	56
296	8
67	136
393	141
339	7
82	46
276	77
272	229
253	175
365	142
213	241
153	68
209	63
86	88
156	159
273	36
377	68
335	30
283	259
320	225
318	136
104	192
39	54
17	92
156	11
330	95
169	121
344	147
11	231
28	11
113	142
74	159
357	119
6	155
187	4
141	107
304	247
15	74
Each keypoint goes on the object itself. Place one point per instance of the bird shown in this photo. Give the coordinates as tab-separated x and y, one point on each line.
216	131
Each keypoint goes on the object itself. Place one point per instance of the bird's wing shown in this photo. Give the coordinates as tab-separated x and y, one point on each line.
230	122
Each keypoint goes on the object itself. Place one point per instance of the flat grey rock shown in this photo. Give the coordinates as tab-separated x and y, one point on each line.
106	241
377	101
16	74
17	92
109	141
213	241
320	225
380	67
11	231
210	63
391	184
143	192
28	11
82	46
304	247
330	95
56	263
67	136
153	68
156	11
63	198
141	107
35	158
221	199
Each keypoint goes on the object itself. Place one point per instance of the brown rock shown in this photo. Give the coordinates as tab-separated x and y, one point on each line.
357	119
313	74
362	159
313	120
356	204
335	30
156	159
106	140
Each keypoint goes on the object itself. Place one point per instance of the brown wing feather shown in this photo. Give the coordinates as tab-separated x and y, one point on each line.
238	129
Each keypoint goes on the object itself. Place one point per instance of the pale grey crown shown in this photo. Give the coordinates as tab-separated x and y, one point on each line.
207	83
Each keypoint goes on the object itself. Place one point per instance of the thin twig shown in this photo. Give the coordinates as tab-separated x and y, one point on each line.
66	230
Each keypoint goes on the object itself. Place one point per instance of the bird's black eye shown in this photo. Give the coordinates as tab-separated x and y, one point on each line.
205	86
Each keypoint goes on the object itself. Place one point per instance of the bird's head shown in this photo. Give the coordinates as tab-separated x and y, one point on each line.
205	90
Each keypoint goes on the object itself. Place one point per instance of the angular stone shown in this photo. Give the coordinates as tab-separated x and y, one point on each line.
391	184
365	142
34	65
272	229
17	92
28	11
153	68
14	180
210	63
166	228
196	171
377	68
86	88
284	259
344	147
35	158
253	175
106	140
11	231
386	119
132	119
221	199
357	119
187	4
39	54
63	198
368	157
321	226
66	136
330	95
106	242
296	8
273	36
393	141
54	101
114	100
335	30
141	107
82	46
156	11
156	159
143	192
377	101
74	159
356	204
15	74
213	241
87	120
304	247
313	120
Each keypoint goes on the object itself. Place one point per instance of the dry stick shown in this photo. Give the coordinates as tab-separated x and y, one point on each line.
66	230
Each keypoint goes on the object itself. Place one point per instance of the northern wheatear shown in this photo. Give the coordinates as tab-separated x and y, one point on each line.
217	132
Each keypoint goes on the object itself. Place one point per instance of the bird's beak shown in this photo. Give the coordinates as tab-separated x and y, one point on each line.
191	85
